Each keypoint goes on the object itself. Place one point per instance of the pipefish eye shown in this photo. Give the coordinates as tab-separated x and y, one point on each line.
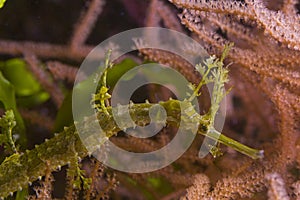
203	128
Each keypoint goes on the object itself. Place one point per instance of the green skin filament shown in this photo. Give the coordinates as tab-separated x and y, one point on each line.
18	170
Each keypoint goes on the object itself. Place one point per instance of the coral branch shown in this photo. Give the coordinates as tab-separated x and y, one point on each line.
278	25
152	18
277	190
225	7
43	50
62	71
36	118
45	79
200	188
86	23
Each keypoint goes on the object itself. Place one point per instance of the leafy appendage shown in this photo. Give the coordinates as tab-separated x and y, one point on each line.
2	3
100	99
7	123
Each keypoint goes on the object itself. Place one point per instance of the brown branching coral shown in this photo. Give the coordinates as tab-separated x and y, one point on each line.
266	53
279	26
85	24
276	187
43	50
45	79
200	188
160	12
62	71
230	187
37	118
